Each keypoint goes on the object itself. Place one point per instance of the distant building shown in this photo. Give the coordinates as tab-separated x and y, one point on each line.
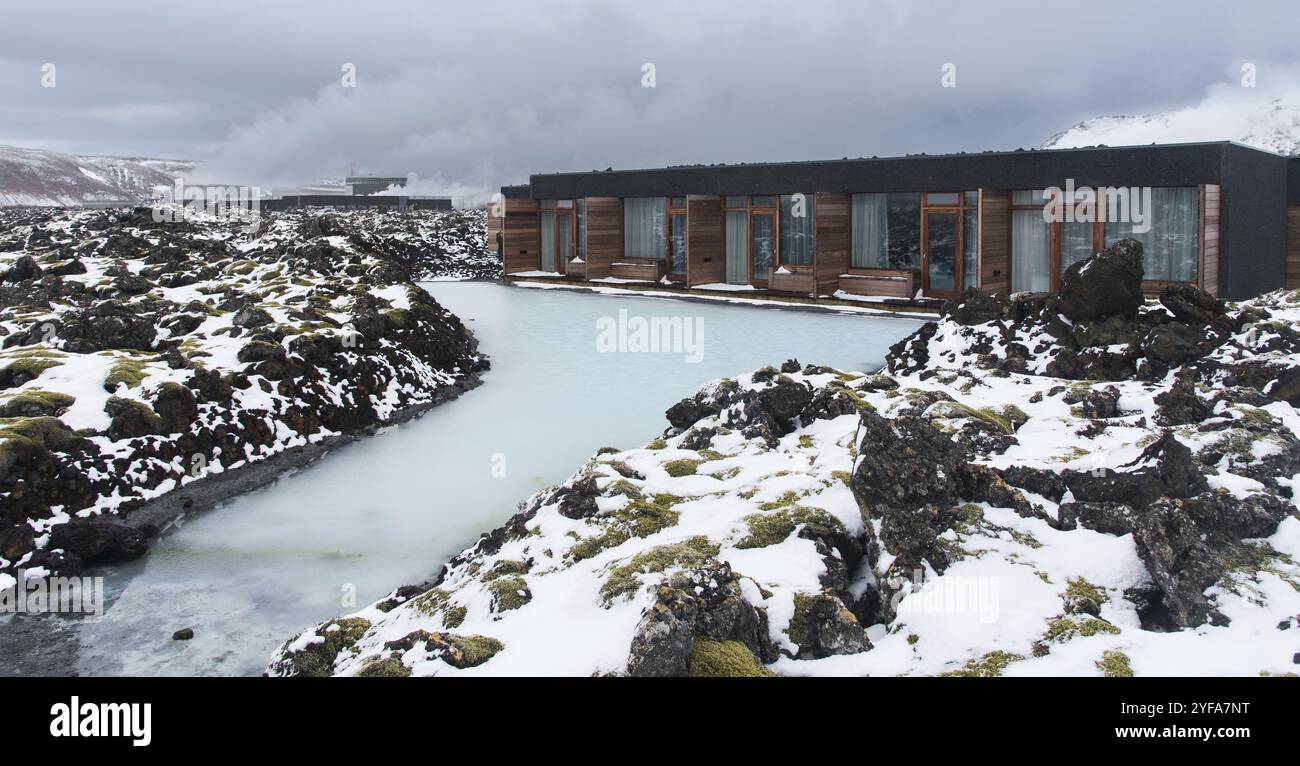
374	184
355	202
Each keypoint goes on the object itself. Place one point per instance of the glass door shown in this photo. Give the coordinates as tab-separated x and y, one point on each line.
762	229
940	254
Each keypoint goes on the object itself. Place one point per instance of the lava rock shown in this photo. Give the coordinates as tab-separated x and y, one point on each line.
1109	282
184	634
99	539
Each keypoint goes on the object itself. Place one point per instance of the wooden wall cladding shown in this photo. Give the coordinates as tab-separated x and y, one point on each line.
1293	246
832	224
604	235
522	242
705	261
1209	267
995	240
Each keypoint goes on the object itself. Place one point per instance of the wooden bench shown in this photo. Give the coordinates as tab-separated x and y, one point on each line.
787	281
645	271
889	283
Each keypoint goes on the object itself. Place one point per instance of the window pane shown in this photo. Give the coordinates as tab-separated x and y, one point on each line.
677	202
1171	248
942	246
677	245
970	250
1031	252
564	203
941	198
1076	243
886	231
565	224
643	228
737	248
1029	197
797	230
764	245
764	201
737	202
547	204
547	231
972	198
580	218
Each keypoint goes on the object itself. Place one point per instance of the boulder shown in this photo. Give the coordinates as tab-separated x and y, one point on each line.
99	539
1109	282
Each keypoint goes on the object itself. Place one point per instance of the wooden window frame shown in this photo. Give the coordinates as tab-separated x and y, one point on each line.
959	256
1054	238
564	216
670	211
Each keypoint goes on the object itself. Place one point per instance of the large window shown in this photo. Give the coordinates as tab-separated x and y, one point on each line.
644	232
887	231
797	230
580	218
677	236
1171	246
1031	251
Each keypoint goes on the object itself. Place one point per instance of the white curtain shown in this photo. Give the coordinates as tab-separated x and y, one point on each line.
970	256
1171	248
870	231
548	241
1031	252
737	248
643	228
797	231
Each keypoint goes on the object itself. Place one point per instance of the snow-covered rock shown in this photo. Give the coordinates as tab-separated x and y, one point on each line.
138	358
40	178
969	512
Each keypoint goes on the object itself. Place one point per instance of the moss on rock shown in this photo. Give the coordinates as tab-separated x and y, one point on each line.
724	659
1115	664
684	467
771	528
509	593
623	580
990	665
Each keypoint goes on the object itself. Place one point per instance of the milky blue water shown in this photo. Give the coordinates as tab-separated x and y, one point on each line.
390	509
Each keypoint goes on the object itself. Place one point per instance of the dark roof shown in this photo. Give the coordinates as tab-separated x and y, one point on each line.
1151	165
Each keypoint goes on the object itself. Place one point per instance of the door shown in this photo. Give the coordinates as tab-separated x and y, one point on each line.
677	244
762	228
940	254
737	247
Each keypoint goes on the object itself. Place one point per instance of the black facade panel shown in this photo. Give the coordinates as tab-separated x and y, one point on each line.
1252	240
1293	181
1167	165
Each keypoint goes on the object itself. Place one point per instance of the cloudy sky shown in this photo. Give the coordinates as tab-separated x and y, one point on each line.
470	95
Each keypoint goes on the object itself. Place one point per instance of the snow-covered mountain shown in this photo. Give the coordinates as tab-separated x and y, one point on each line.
37	177
1273	125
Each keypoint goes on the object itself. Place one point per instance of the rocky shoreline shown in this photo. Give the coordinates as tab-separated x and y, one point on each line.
226	358
1087	483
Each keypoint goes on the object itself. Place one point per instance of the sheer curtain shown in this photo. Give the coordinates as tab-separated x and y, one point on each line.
643	228
548	241
1171	248
870	230
797	232
737	248
1031	252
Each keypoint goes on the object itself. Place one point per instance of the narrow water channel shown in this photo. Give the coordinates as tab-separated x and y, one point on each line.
390	509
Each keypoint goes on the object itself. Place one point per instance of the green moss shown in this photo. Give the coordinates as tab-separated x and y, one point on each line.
42	402
503	568
969	517
475	650
435	602
28	366
509	593
712	454
771	528
805	441
1063	629
21	434
623	469
1082	597
623	487
680	468
784	501
989	666
1115	664
1007	419
657	444
641	518
128	371
623	580
724	659
384	667
317	660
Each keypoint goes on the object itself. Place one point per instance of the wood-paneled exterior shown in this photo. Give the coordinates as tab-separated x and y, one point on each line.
604	235
495	221
521	240
833	224
706	262
995	241
1293	246
1209	266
